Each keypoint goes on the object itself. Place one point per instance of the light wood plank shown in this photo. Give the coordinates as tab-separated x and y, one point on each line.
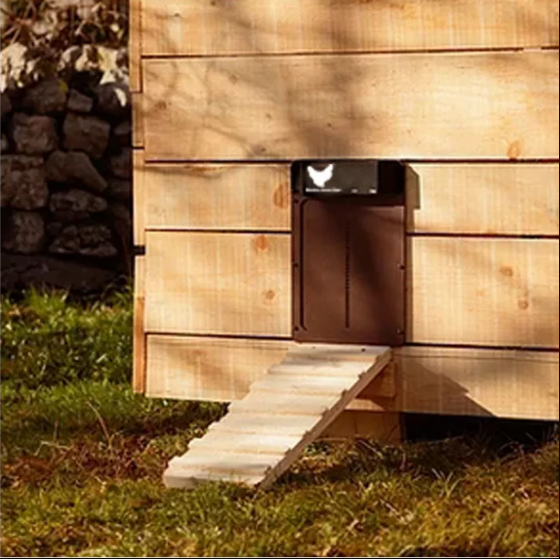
177	479
320	385
208	368
219	27
251	443
514	384
345	357
477	382
230	465
290	426
137	121
309	369
483	292
507	199
218	197
135	44
139	337
467	106
139	198
219	283
284	404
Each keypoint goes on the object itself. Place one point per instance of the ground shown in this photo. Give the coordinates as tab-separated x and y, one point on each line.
82	459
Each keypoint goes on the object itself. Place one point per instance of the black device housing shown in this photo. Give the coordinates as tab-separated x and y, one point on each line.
367	177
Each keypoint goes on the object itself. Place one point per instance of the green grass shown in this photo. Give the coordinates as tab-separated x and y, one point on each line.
82	459
47	340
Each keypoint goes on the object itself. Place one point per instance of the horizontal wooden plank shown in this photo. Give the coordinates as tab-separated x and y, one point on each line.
309	369
483	292
218	283
208	368
281	384
216	27
185	479
217	197
514	384
459	106
253	443
339	357
233	465
478	382
489	199
290	426
284	404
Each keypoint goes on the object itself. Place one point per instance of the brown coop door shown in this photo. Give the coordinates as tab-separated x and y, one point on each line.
349	271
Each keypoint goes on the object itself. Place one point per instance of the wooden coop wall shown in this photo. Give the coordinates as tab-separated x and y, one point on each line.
227	93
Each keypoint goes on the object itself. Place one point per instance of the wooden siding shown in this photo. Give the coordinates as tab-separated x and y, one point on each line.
217	197
208	368
413	106
241	86
485	292
480	382
483	199
226	284
234	27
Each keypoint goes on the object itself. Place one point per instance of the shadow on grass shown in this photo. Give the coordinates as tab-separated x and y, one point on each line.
491	445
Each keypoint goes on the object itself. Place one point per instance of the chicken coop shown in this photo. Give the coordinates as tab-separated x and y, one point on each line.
344	211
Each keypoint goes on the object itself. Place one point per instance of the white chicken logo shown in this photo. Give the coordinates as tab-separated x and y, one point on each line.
321	178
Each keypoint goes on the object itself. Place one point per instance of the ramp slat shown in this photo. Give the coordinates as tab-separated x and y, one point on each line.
278	384
252	443
284	403
240	422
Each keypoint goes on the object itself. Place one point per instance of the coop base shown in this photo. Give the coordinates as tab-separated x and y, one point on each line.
267	431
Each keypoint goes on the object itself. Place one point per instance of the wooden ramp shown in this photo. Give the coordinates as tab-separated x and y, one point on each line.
266	432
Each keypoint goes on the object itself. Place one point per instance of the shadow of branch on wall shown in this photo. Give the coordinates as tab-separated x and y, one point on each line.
280	96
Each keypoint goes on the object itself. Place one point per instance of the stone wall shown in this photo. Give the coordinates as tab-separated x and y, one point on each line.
66	182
